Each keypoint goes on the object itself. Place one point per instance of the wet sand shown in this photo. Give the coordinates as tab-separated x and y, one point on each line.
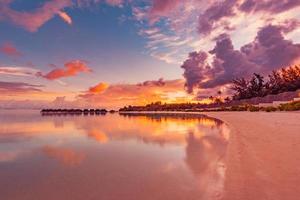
263	155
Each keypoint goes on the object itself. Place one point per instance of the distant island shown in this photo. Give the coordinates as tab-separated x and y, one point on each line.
75	111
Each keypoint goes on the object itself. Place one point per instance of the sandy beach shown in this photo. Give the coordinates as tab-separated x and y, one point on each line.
262	159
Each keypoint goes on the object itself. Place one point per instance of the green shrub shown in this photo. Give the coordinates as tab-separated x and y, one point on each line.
293	106
238	108
270	109
252	108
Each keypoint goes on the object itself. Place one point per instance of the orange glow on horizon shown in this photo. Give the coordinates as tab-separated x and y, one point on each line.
107	96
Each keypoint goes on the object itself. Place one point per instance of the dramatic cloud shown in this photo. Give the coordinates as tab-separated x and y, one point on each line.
269	51
72	68
226	38
9	49
18	87
33	20
173	27
196	70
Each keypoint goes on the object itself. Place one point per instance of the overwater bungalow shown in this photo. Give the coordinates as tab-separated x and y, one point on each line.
73	111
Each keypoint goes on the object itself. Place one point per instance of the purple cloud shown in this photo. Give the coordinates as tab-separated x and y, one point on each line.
269	51
214	13
162	8
160	82
18	87
196	69
273	6
219	10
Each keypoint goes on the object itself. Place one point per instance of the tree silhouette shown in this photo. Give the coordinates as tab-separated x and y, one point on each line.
240	86
284	80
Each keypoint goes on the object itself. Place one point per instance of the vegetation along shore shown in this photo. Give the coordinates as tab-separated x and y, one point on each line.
279	91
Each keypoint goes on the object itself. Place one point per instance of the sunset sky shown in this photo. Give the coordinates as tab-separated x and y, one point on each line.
111	53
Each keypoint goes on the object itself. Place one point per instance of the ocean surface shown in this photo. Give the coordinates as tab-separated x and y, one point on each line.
111	157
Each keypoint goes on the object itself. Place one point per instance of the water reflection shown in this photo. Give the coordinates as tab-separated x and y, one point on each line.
132	156
97	135
65	156
205	157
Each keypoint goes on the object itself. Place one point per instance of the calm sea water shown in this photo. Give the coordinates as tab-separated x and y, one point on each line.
111	157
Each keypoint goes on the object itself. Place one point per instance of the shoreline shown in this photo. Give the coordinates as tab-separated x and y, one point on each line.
262	156
214	113
263	152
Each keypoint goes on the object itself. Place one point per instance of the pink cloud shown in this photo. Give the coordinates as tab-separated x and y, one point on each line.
72	68
99	88
33	20
9	49
162	8
18	87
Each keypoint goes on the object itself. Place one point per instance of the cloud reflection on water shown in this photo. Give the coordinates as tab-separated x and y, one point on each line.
65	156
182	152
